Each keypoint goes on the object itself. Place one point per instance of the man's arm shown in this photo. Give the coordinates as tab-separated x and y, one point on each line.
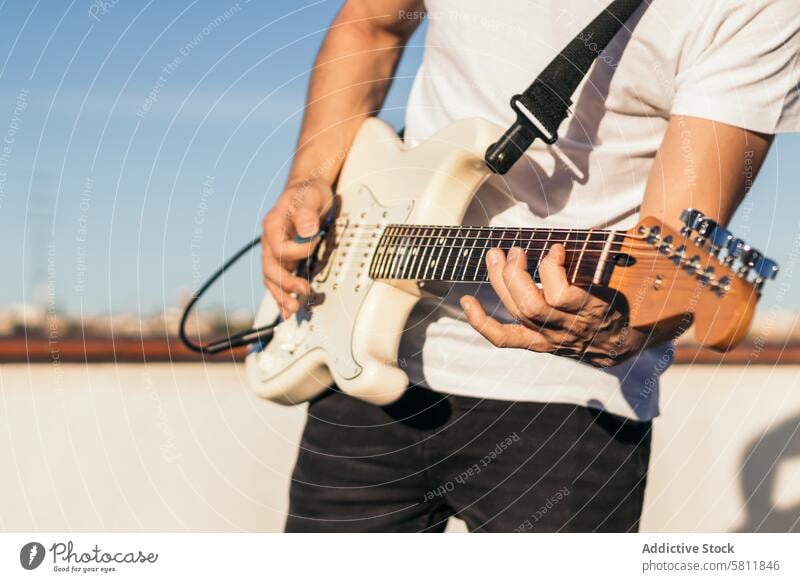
705	165
701	164
351	77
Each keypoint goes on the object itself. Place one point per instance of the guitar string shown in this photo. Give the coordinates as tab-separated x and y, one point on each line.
388	238
406	258
362	226
398	240
474	266
602	235
643	251
395	239
395	246
399	246
510	235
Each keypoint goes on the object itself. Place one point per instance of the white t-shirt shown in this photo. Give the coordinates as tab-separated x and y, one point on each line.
733	61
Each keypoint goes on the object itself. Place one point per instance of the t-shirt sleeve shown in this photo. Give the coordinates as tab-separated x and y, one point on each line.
740	66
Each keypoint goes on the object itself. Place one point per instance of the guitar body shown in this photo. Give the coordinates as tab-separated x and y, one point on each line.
352	337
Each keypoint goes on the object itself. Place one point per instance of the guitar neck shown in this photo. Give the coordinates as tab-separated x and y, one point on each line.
457	254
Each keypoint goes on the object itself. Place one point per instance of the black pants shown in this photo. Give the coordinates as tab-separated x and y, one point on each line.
500	466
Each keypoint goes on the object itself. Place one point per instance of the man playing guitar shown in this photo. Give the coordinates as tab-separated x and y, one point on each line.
531	406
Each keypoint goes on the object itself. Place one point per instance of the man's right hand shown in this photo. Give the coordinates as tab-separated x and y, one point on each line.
296	213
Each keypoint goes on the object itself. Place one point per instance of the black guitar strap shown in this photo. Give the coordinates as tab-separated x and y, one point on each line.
545	104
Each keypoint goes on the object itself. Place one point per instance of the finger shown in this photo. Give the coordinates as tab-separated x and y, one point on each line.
529	300
275	272
306	204
558	292
286	303
278	237
305	221
500	335
495	263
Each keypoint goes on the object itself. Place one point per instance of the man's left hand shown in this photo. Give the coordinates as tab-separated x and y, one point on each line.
559	318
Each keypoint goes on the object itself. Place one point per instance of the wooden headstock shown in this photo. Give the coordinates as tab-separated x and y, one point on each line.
700	276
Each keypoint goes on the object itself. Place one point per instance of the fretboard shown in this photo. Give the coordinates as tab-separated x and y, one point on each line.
458	254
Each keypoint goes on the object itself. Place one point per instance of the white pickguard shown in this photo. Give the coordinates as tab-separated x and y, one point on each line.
350	335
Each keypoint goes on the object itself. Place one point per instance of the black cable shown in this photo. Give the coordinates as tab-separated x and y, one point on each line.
236	340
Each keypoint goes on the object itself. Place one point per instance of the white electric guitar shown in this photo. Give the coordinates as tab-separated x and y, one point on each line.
395	228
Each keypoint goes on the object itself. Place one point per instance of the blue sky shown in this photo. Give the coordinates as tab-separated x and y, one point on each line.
124	182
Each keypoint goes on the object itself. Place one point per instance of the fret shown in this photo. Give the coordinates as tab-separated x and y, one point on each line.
580	257
479	265
397	254
413	253
569	255
376	258
459	255
527	249
418	251
434	261
446	262
387	253
431	262
398	251
444	254
530	240
598	273
513	242
379	252
385	246
402	249
516	238
426	251
469	257
535	274
387	258
408	245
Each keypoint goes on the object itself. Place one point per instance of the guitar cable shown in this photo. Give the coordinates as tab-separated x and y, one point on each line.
257	334
261	334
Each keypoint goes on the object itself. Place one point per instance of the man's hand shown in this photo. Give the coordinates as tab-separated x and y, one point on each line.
297	212
559	319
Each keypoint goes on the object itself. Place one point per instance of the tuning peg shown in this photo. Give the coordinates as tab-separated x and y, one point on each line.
719	238
736	247
748	258
704	227
764	269
690	218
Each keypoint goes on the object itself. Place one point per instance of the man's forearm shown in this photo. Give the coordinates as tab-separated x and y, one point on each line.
703	164
351	77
